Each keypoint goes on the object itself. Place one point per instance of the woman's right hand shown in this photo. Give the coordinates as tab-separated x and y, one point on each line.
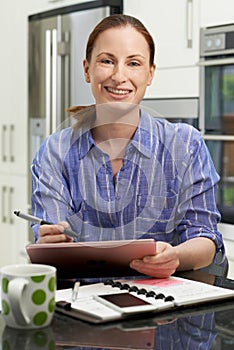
53	233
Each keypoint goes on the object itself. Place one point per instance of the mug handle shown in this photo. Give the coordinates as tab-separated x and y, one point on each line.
16	289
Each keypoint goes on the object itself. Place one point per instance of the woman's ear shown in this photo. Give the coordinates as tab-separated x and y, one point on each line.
86	71
151	74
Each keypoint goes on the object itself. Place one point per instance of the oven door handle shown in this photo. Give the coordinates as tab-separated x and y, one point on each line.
212	137
216	62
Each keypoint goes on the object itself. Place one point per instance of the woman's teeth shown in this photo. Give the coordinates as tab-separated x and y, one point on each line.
118	91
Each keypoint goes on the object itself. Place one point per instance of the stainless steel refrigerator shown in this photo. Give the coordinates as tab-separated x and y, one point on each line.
57	42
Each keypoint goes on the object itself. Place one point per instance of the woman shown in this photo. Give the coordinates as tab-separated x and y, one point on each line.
121	174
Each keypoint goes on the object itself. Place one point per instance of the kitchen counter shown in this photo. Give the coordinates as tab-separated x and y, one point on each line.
204	327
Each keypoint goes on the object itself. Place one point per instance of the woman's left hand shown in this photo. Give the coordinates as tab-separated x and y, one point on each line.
163	264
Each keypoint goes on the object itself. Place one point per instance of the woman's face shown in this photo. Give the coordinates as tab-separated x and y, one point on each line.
119	69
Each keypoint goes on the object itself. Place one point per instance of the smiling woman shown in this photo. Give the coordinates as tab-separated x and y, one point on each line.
120	174
119	73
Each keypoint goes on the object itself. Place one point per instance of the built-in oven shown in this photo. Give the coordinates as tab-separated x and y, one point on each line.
216	120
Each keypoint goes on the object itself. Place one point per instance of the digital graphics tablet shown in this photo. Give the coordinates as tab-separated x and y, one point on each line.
91	259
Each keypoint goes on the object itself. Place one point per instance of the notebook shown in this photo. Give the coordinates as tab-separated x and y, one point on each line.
92	259
121	299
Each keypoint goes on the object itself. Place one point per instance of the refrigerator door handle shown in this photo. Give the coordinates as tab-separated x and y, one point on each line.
67	72
54	80
51	80
63	78
47	81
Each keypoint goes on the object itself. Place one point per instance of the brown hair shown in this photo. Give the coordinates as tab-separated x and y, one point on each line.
114	21
119	20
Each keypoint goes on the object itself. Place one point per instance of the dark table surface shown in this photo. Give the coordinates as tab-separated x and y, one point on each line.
206	327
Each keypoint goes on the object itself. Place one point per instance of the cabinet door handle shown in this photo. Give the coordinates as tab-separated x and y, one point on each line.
4	214
4	138
10	203
189	24
12	142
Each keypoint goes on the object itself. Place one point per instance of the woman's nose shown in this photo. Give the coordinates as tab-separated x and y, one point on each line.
119	74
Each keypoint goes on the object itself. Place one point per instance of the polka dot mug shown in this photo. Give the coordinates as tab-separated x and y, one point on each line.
28	295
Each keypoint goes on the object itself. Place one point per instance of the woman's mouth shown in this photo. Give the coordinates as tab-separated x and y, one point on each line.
119	92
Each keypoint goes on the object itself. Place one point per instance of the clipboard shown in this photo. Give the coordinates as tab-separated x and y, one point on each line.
120	299
92	259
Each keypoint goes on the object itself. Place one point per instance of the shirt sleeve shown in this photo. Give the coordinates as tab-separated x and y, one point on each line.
198	197
51	199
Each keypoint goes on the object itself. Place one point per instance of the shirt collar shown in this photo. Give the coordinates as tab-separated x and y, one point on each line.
143	139
84	140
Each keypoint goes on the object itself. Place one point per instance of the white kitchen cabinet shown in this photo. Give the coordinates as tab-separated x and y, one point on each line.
13	146
14	231
13	87
174	26
13	132
216	12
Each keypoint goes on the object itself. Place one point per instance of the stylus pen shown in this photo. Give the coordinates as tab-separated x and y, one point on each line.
75	291
39	221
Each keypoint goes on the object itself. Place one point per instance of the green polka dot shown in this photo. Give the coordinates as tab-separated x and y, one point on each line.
40	338
5	283
39	297
52	284
52	345
40	318
6	345
5	307
51	306
38	279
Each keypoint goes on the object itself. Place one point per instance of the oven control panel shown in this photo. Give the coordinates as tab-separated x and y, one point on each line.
214	42
217	40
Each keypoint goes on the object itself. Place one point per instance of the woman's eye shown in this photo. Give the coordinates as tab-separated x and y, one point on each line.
107	61
134	64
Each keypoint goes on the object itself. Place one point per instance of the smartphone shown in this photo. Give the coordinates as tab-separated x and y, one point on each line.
125	303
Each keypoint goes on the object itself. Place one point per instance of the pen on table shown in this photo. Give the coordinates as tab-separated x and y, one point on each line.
39	221
75	291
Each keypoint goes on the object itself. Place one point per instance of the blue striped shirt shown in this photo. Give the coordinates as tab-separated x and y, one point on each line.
165	189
